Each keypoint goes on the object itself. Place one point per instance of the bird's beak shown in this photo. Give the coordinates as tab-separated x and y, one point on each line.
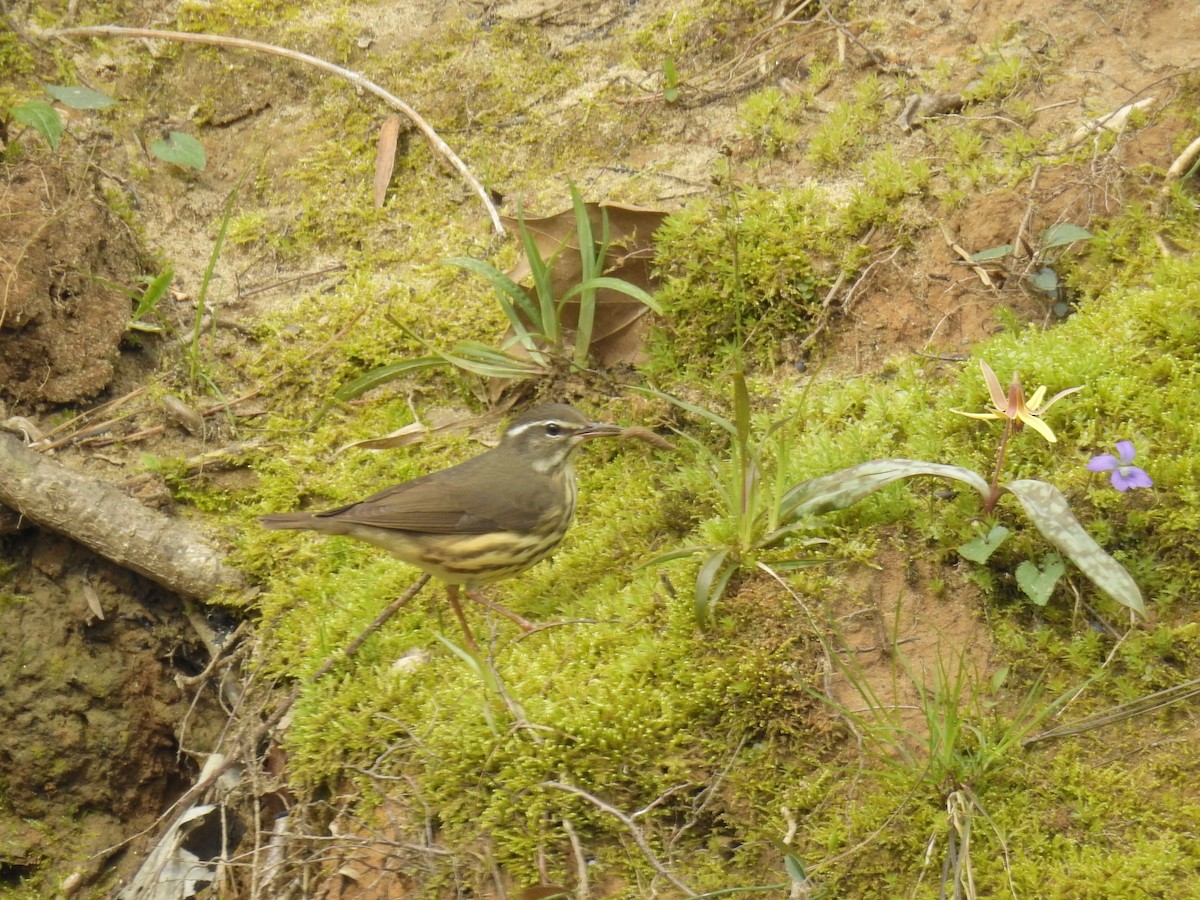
598	429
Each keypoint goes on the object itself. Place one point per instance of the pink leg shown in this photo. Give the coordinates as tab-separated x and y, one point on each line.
452	594
524	624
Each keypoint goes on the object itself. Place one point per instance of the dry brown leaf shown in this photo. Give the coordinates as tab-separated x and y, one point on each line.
440	422
617	331
413	433
385	157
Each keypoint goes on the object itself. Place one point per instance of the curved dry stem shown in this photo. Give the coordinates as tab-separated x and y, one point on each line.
638	835
354	78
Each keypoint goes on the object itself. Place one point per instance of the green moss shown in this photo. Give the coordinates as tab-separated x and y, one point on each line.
846	131
16	62
763	283
889	182
770	118
225	16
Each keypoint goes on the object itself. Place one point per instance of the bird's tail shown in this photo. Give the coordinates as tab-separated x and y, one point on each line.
281	521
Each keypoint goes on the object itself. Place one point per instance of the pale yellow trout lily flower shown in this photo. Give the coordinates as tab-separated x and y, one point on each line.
1013	405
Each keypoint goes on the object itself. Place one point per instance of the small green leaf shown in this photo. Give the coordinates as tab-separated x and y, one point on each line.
1045	280
670	81
156	289
1038	583
77	97
180	149
992	253
795	869
1064	233
1048	509
998	678
980	549
710	584
42	118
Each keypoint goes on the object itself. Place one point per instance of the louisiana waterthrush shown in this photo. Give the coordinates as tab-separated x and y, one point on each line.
485	519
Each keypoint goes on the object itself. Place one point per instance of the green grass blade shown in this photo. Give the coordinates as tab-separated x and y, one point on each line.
672	555
620	285
193	353
547	315
155	291
590	265
711	581
722	423
382	375
488	362
510	294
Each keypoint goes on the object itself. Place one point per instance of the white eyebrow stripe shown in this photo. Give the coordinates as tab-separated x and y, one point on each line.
541	423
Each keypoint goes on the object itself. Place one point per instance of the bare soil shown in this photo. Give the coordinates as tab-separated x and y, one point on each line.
63	314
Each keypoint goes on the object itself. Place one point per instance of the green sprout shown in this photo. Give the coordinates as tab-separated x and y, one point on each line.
754	517
540	343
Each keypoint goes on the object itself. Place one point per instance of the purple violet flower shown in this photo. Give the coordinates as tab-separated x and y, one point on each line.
1125	475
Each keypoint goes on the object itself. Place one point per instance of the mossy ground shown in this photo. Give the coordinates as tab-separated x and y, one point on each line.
717	743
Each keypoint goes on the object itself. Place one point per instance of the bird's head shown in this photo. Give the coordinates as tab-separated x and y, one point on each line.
547	436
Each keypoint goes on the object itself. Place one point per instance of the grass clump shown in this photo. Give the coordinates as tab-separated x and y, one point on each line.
888	183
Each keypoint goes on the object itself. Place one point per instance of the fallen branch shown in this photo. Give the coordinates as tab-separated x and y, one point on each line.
100	517
217	40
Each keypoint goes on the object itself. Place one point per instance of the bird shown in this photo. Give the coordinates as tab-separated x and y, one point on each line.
488	518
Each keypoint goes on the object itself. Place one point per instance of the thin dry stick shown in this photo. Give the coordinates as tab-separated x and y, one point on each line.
638	836
88	413
1149	703
354	78
582	891
1020	243
273	285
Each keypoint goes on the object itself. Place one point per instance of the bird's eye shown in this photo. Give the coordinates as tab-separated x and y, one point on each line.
553	429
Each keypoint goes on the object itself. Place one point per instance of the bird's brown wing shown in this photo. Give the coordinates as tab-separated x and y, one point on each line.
438	504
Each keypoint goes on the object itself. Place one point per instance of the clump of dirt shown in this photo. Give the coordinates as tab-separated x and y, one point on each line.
91	751
62	314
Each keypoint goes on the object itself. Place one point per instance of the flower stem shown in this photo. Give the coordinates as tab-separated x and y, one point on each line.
994	493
